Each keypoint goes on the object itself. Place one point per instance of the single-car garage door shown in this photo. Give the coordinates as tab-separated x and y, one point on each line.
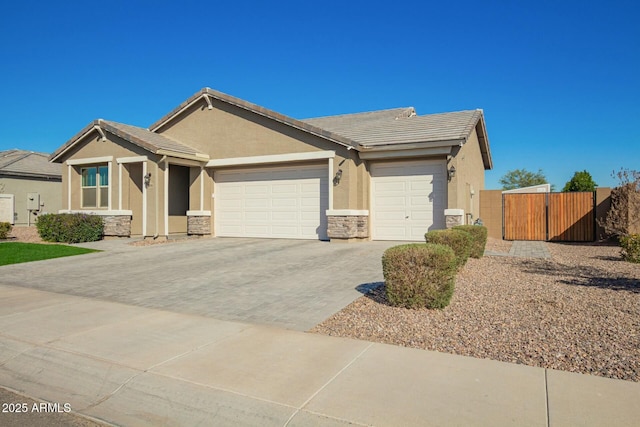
407	199
283	202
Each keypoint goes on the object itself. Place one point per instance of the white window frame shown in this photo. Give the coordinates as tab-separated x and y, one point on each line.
100	204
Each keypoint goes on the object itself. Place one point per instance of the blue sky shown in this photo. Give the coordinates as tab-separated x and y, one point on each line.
559	81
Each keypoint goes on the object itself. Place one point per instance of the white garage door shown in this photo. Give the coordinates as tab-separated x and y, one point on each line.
284	202
407	199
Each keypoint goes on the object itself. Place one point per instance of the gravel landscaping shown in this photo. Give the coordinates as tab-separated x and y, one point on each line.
578	312
25	234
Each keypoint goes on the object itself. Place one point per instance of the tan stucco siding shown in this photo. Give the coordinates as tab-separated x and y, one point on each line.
50	196
132	181
352	191
227	131
469	177
94	147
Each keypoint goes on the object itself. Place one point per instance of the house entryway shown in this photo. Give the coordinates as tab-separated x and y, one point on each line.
178	198
132	196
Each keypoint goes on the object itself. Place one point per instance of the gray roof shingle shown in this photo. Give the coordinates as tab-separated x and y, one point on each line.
370	131
141	137
28	164
399	126
146	139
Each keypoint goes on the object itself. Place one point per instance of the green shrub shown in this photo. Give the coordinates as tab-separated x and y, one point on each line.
70	228
458	240
630	248
478	236
5	229
419	275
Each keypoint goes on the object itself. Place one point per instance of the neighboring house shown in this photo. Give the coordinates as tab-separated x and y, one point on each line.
29	185
223	166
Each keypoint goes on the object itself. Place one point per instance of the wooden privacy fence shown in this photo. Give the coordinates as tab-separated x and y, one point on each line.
566	217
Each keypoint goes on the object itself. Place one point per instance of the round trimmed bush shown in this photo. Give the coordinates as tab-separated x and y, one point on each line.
419	275
479	238
458	240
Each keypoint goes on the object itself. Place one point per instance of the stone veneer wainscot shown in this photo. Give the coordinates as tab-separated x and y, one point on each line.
346	224
199	223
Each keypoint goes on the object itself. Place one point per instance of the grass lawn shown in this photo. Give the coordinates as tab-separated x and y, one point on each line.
16	252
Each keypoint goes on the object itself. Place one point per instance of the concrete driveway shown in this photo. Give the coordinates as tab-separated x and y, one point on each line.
293	284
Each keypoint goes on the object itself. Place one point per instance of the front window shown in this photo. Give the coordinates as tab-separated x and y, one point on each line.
95	187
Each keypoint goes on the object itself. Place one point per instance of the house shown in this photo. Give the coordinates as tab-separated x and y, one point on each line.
29	185
219	165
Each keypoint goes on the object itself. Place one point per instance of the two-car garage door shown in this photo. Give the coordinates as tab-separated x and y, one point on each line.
282	202
407	199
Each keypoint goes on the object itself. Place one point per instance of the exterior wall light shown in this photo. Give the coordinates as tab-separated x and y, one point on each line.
338	177
451	172
147	179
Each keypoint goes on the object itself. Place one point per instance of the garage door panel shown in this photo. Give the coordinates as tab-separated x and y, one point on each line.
422	201
285	202
309	202
284	230
255	230
284	188
391	233
284	216
416	203
391	201
309	187
308	216
422	216
422	186
390	186
256	216
398	215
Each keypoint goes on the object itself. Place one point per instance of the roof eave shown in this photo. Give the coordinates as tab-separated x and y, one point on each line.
55	156
198	157
483	140
31	175
414	145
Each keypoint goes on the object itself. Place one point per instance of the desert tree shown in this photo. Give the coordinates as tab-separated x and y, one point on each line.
581	181
519	178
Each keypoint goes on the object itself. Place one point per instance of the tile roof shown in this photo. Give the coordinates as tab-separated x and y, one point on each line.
400	126
370	131
28	164
148	140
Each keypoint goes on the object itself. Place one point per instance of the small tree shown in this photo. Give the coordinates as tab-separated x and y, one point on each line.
520	178
623	217
581	181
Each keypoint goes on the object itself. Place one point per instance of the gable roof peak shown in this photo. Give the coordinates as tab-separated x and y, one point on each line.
208	93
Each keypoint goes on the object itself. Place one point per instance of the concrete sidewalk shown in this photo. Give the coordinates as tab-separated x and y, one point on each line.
131	365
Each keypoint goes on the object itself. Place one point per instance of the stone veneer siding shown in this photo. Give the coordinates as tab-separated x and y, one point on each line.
453	220
117	225
348	226
199	225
